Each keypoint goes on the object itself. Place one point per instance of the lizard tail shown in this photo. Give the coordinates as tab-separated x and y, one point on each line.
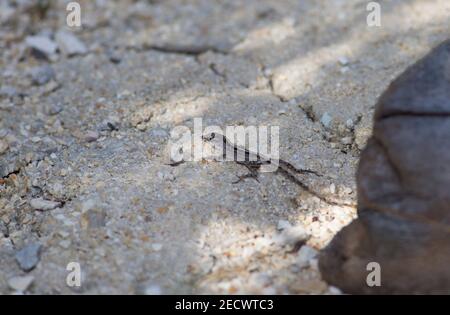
292	168
317	194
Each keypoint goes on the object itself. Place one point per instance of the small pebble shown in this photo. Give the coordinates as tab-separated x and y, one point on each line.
69	44
333	188
42	44
64	234
20	284
91	136
347	140
326	120
28	257
293	235
350	124
44	205
334	291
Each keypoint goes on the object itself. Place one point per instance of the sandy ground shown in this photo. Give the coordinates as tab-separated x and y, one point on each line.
91	134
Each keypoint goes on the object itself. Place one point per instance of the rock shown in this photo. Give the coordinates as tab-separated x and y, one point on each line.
28	257
44	205
42	75
20	284
69	44
42	44
3	146
403	197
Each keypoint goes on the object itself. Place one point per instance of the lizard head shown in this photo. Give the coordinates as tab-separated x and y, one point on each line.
209	136
214	137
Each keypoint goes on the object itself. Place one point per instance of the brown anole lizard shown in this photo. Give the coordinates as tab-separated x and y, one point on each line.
254	161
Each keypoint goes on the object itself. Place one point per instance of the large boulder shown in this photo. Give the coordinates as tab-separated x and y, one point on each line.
403	190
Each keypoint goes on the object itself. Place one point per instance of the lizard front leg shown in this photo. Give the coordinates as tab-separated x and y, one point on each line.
253	171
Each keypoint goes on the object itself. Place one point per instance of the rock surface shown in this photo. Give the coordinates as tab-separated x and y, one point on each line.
403	190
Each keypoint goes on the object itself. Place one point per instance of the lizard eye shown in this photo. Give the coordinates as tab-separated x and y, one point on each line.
209	137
